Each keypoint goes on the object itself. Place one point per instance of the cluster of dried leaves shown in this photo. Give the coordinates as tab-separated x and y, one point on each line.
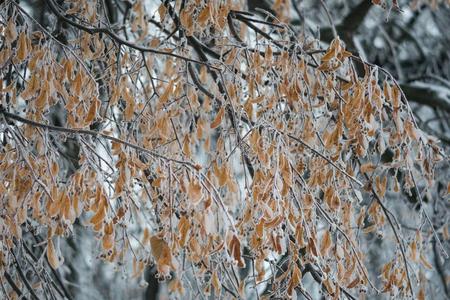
210	141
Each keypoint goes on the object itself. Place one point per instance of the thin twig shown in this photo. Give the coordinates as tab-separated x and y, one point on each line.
394	229
92	30
13	285
330	19
23	278
92	133
325	158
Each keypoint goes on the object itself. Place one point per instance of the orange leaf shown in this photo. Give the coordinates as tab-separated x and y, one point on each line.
218	118
165	96
194	192
42	99
92	112
22	48
367	168
203	16
108	241
162	254
296	278
162	10
326	243
99	216
11	30
353	283
183	227
235	248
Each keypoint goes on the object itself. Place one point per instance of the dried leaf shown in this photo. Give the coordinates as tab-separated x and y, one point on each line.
108	241
162	253
165	96
424	262
162	10
93	111
235	249
204	16
218	118
22	50
99	216
183	228
367	168
52	256
194	192
11	30
326	243
296	278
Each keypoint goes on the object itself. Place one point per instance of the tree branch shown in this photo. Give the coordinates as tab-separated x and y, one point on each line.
118	39
14	286
427	95
11	116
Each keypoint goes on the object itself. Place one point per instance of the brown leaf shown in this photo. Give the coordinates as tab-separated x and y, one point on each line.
413	249
162	10
353	283
42	99
187	21
326	243
312	247
218	118
165	96
194	192
160	250
99	216
235	249
130	109
92	111
421	295
367	168
204	16
183	227
296	278
52	256
381	185
11	30
108	241
22	50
